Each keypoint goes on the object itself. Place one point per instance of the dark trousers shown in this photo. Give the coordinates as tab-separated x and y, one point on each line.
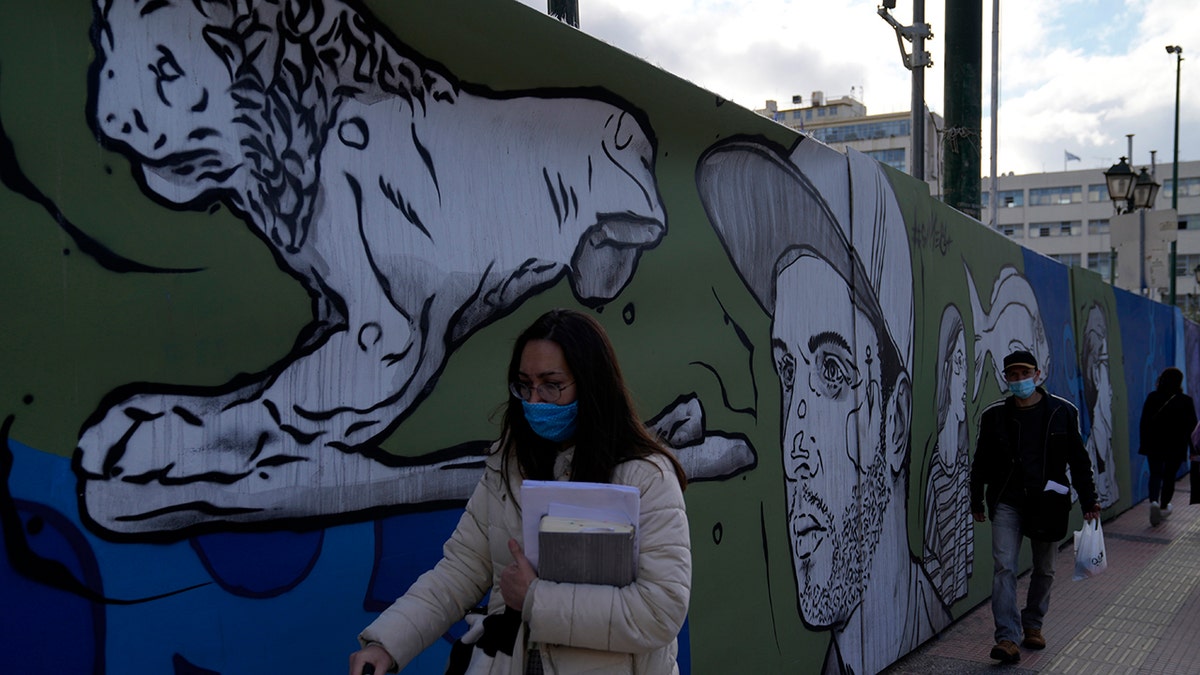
1163	471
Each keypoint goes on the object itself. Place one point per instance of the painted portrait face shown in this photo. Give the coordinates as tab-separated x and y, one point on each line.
836	477
953	372
958	378
1022	327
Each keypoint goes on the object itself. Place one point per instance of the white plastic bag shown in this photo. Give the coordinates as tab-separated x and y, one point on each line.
1090	557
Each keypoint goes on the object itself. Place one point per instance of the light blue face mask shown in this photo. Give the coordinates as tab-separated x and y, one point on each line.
1022	389
551	421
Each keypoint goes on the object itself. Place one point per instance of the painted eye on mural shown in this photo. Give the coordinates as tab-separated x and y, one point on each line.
166	69
835	373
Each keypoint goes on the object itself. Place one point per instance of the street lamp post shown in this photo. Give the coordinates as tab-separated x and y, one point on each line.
1131	191
1178	52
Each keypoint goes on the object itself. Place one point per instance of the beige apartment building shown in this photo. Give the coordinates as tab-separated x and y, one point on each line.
1065	215
1068	216
843	123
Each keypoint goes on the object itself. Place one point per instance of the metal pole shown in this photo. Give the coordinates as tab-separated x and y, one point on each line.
918	94
995	100
1142	249
1172	274
1175	166
962	149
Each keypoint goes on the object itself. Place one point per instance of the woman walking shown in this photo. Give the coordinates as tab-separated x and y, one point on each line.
1168	418
570	418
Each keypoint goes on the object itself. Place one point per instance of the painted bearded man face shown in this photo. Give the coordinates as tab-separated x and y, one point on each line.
838	478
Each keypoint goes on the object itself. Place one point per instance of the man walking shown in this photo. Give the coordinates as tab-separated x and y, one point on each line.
1026	443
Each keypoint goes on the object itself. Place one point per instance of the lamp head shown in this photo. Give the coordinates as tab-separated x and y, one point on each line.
1174	49
1145	191
1120	179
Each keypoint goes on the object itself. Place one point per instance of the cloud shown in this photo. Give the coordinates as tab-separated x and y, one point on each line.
1074	74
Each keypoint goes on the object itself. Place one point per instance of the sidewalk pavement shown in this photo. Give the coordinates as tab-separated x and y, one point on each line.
1142	615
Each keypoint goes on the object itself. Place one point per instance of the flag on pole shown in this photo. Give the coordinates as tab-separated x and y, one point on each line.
1070	157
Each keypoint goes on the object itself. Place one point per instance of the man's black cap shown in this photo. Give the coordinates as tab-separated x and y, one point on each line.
1020	358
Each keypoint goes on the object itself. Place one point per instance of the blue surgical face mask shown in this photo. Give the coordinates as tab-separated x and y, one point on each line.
551	421
1022	388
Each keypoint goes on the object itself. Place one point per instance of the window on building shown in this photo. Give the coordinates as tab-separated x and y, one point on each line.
865	131
1068	259
1013	231
1188	187
1097	193
1098	226
1065	228
1185	264
1072	194
1100	263
1189	222
1010	198
820	112
984	199
893	157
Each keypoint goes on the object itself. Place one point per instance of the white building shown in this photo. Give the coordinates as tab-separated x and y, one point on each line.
1068	216
1065	215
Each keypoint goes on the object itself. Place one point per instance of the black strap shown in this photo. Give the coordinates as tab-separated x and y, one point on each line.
1163	406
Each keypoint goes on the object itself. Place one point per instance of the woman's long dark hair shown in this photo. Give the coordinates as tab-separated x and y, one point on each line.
1170	381
608	430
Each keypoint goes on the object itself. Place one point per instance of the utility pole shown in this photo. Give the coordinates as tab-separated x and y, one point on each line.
963	97
917	62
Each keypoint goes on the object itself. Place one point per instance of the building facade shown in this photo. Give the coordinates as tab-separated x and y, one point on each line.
1065	215
843	123
1068	216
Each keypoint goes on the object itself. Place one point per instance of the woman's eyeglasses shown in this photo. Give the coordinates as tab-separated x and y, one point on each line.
546	391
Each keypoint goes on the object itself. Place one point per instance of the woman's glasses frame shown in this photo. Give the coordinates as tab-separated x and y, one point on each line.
547	391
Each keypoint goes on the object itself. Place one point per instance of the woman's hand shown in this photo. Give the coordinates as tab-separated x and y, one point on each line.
515	579
372	655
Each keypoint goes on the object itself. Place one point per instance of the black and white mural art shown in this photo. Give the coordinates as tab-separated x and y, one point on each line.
265	260
818	239
345	154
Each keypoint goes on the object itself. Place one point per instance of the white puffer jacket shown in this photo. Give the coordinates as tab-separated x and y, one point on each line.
578	628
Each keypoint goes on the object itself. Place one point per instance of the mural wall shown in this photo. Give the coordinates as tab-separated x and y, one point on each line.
263	262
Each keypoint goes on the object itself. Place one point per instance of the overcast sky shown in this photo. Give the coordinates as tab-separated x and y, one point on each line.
1075	75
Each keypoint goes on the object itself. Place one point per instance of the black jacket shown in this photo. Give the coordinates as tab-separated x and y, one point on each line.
996	463
1166	426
